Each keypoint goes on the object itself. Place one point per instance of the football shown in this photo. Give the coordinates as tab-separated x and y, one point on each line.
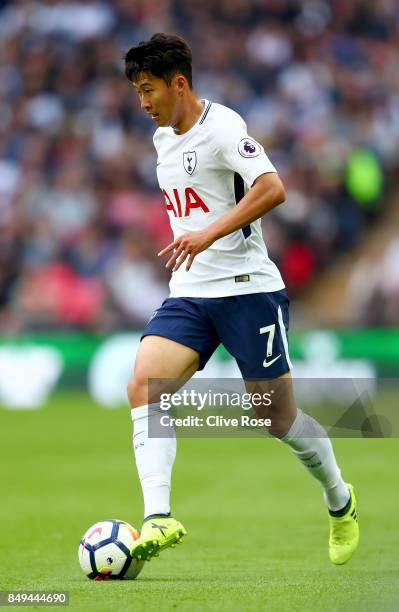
104	551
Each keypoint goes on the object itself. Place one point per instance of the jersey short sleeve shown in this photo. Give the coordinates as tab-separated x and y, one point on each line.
238	152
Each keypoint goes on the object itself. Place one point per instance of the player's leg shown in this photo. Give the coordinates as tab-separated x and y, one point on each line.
310	443
176	343
304	435
164	362
254	329
154	443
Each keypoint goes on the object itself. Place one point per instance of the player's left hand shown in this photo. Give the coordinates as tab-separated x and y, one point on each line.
187	245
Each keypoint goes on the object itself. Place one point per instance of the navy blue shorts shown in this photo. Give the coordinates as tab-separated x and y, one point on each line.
252	327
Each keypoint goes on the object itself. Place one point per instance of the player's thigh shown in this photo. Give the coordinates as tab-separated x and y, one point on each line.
162	366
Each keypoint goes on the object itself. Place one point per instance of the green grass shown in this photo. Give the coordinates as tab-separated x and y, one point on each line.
256	521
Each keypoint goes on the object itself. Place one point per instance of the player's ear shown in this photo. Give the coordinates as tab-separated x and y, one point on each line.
180	83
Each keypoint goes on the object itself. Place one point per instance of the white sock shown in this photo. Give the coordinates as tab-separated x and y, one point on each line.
311	444
154	457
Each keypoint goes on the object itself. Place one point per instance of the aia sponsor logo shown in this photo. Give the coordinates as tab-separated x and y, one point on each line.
182	206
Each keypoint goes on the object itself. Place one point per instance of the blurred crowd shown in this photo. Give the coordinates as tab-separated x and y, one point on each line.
373	291
81	215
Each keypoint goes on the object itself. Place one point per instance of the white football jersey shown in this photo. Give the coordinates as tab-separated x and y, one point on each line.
203	174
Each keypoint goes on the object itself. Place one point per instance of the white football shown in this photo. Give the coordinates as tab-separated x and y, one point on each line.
104	551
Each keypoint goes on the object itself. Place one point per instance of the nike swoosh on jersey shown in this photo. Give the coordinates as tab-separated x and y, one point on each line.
266	364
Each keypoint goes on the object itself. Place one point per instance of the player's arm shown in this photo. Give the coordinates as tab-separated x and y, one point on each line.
266	192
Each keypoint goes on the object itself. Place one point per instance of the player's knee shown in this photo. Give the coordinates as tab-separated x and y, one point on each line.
278	429
137	392
280	424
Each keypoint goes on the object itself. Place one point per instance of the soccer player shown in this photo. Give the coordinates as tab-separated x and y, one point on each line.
217	182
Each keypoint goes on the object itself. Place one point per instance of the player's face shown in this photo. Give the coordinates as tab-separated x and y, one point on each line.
158	99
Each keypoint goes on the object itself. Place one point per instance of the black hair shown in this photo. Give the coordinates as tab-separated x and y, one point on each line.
164	55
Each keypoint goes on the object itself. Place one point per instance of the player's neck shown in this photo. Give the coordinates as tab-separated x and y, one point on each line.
191	110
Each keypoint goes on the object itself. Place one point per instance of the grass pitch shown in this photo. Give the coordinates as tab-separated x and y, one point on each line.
257	526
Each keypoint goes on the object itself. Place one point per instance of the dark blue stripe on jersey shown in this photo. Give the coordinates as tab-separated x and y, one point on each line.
239	194
206	112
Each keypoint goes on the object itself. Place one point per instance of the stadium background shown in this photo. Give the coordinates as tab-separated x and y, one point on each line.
81	219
